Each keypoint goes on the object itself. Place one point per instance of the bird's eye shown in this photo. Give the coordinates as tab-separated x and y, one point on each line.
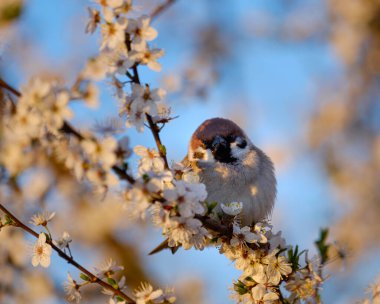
241	143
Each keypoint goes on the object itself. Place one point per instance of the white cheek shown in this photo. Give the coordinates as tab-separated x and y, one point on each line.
237	152
206	155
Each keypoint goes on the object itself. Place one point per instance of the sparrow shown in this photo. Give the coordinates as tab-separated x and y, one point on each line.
233	169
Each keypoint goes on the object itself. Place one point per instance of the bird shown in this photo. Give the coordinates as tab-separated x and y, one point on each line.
233	169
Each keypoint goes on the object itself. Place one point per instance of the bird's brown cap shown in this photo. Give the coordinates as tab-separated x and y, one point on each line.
213	127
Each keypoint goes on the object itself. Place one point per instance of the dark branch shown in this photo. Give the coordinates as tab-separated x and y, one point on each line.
161	8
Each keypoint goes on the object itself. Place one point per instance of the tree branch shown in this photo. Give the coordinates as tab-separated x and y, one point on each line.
70	260
161	8
8	87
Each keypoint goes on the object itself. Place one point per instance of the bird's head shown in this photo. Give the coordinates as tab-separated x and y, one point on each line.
219	140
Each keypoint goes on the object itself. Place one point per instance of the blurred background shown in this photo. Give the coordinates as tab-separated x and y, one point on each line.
300	77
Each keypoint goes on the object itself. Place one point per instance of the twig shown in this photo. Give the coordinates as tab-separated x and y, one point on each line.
161	8
8	87
153	127
214	225
70	260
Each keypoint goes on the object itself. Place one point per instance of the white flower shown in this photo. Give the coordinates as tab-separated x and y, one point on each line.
57	110
159	215
143	100
101	177
263	294
150	160
118	86
146	294
241	236
41	252
302	285
137	202
110	3
136	115
72	289
107	269
26	122
148	57
35	91
187	197
163	112
276	240
41	219
118	61
96	68
147	96
13	156
101	151
91	95
94	19
158	181
123	150
125	8
277	267
168	296
113	34
260	229
64	241
141	31
233	208
181	230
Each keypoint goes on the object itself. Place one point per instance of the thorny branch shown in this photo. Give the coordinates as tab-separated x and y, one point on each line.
70	260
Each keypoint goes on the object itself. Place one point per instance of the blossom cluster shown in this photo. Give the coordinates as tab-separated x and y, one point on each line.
38	116
124	46
174	198
266	262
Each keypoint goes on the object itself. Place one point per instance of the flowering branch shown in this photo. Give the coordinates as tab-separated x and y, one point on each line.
67	128
93	279
153	126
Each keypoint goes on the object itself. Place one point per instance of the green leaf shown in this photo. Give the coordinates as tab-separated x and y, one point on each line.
120	299
294	257
113	283
240	288
84	277
145	178
211	206
8	220
163	149
322	245
214	240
